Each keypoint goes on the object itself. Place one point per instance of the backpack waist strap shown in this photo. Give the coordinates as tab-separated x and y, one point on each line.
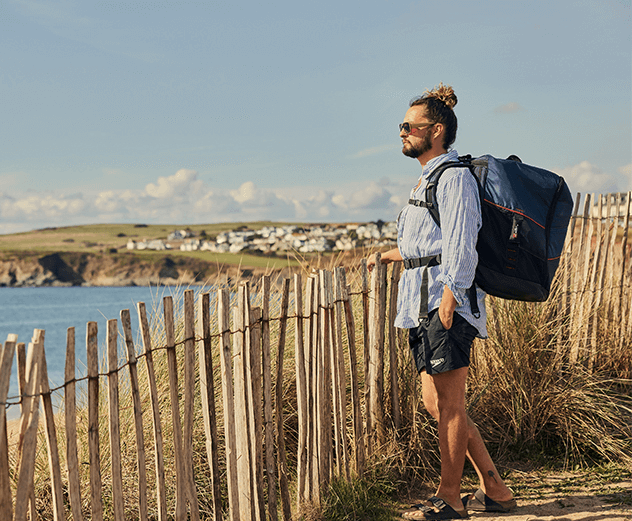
425	263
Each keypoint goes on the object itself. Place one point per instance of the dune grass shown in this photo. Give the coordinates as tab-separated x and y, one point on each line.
532	404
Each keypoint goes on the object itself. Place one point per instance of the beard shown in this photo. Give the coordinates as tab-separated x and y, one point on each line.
422	147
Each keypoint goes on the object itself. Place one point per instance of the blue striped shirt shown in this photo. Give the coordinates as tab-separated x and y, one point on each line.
419	236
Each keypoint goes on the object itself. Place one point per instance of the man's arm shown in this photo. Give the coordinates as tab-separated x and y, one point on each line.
386	258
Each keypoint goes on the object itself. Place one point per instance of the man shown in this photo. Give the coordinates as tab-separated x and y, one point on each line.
441	321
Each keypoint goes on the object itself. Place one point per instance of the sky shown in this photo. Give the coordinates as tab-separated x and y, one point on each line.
190	112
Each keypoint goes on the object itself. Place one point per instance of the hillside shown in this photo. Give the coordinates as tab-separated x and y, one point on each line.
97	255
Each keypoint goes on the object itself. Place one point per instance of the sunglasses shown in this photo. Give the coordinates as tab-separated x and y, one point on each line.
407	127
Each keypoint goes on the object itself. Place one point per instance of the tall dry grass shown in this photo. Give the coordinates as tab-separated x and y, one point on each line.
530	401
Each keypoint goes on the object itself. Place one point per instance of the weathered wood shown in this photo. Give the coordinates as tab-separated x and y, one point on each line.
392	346
228	397
282	463
376	358
70	419
325	434
337	323
159	464
114	421
568	275
6	362
577	323
366	330
356	406
189	396
96	487
311	336
620	317
268	403
256	406
593	298
244	476
333	369
615	204
27	444
301	397
21	359
207	395
620	277
174	394
126	324
252	363
50	432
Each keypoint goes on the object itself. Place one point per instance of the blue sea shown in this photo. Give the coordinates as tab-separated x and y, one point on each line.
56	309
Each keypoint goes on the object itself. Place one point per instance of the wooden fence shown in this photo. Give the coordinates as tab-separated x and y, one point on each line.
291	386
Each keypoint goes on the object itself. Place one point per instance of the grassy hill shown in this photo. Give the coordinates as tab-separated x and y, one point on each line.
105	238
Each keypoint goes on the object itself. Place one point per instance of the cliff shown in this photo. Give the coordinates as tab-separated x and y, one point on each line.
96	269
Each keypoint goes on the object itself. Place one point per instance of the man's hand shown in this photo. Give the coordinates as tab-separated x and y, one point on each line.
386	258
447	307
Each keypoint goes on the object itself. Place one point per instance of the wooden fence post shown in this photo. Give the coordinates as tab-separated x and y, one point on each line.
96	488
228	397
256	405
244	476
174	394
126	324
301	396
118	510
30	421
268	402
341	385
312	373
376	361
366	330
207	395
324	440
283	473
356	406
6	361
21	360
161	495
392	346
189	402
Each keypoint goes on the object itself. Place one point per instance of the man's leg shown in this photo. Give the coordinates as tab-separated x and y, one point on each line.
491	482
444	397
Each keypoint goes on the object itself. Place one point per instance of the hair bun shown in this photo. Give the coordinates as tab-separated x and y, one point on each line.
443	93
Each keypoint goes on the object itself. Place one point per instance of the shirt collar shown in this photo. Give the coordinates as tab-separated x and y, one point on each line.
452	155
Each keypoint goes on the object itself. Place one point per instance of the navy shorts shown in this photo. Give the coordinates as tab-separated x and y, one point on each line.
438	350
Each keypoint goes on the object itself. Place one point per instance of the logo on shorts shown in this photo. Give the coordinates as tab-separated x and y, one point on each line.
438	361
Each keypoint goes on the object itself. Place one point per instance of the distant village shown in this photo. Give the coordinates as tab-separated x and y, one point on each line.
272	239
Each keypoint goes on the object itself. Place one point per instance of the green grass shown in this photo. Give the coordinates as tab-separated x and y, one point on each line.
100	238
91	236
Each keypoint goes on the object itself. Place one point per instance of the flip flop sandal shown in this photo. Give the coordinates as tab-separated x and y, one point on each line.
439	510
481	502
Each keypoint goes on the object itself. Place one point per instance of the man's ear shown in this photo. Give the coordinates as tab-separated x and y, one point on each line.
437	130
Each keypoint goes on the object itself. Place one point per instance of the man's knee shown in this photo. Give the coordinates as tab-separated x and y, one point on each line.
432	407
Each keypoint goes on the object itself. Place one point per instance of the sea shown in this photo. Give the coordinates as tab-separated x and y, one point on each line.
55	309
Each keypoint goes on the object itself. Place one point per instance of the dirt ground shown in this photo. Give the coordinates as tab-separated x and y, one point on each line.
578	496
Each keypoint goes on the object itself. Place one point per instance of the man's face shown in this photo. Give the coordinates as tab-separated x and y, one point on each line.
419	140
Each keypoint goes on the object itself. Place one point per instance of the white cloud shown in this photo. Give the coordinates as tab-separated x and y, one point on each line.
588	178
182	183
626	172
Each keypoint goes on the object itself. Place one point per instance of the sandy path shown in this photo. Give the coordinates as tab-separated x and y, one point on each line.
566	497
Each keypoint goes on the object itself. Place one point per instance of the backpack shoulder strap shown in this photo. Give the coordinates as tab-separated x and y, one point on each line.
433	182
